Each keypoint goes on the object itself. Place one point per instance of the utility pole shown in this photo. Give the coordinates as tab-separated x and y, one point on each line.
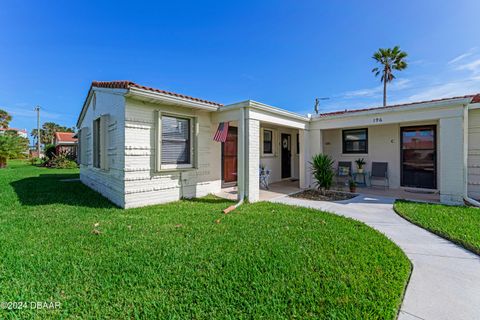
37	108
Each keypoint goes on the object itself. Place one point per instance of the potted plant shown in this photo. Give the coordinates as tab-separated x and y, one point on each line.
360	163
353	185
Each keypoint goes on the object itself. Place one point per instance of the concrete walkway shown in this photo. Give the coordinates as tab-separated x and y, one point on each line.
445	282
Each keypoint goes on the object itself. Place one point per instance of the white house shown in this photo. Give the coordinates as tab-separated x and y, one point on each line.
141	146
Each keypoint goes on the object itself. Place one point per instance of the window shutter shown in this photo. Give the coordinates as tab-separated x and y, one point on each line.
84	147
104	142
79	146
96	153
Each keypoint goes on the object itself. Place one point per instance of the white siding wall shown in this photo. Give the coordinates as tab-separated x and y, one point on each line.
107	182
474	154
145	186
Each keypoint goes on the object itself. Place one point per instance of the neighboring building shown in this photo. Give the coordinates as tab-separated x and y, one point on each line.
140	146
21	132
65	142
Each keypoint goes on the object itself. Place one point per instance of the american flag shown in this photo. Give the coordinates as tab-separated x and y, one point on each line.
222	131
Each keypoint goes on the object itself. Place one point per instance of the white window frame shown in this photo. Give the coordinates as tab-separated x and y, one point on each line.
193	143
273	142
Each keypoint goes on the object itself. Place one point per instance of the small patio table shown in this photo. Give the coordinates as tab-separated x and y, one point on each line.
360	178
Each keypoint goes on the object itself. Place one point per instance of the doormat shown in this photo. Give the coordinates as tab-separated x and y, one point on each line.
419	191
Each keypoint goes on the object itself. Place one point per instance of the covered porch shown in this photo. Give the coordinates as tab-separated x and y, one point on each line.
421	149
276	190
286	188
263	155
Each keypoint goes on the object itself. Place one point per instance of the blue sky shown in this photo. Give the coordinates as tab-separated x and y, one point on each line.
283	53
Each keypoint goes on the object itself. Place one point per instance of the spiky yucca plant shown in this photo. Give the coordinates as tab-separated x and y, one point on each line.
322	170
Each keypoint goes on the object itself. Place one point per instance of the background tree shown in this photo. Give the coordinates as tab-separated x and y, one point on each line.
5	119
11	146
390	59
48	130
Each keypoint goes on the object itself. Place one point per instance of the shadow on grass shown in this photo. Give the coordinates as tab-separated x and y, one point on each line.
210	199
50	189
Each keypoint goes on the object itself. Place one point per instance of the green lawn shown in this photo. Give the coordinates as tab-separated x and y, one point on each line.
176	261
458	224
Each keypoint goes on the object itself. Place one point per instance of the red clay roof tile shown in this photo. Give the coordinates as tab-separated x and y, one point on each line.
65	137
125	84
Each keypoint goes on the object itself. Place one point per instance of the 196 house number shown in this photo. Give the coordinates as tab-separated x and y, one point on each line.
377	120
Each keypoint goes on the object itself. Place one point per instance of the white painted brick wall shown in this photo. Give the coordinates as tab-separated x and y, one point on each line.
253	150
450	153
145	186
110	183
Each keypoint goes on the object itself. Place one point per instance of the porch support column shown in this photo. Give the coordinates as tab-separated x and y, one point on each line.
315	146
248	157
304	158
450	156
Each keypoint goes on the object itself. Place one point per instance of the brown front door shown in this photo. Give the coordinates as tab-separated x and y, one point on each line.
419	157
229	155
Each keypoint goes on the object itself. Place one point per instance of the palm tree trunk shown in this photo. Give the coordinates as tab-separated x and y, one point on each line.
385	91
3	162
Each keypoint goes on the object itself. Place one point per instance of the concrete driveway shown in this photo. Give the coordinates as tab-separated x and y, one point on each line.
445	283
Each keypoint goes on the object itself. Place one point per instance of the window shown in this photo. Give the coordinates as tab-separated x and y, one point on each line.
355	141
97	148
267	142
99	136
175	140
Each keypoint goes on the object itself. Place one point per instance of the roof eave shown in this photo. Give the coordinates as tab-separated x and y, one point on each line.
89	98
264	107
169	99
400	108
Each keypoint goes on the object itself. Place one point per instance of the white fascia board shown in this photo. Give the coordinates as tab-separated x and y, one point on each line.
473	106
265	107
413	107
383	118
166	98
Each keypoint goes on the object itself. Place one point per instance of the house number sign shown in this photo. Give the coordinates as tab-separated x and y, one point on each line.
377	120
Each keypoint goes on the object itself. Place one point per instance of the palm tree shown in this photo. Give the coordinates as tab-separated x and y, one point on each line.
5	119
390	59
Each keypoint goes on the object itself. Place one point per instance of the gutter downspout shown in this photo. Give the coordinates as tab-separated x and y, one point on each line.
465	159
241	179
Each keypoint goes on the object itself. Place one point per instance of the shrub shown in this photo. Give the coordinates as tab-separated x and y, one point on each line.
61	161
322	170
11	146
50	151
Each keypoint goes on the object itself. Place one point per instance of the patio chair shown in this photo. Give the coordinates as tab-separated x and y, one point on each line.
380	171
264	177
344	172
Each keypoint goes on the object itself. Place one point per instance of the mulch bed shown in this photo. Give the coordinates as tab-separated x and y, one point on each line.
329	195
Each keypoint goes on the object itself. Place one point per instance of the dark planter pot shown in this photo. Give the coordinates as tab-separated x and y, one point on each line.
353	190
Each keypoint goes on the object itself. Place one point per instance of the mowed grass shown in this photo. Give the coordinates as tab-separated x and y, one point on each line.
458	224
177	261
